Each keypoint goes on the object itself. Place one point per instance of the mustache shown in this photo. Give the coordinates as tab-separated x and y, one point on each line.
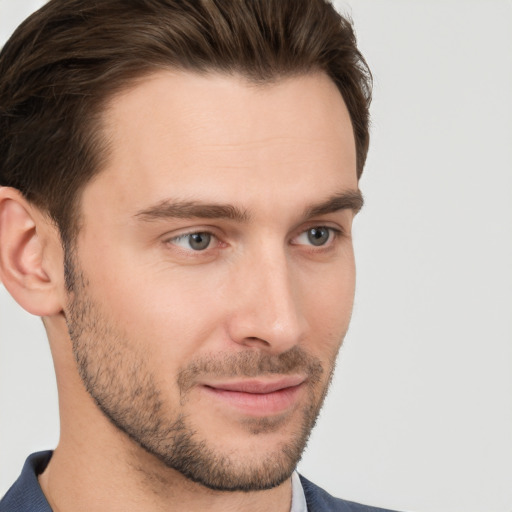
251	364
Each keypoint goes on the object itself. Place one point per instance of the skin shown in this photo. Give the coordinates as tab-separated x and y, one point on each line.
158	327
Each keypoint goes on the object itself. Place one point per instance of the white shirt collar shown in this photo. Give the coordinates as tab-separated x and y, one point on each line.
298	496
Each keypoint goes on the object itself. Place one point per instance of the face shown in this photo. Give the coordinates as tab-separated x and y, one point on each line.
213	276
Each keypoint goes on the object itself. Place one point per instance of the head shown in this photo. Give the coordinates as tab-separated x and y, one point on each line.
198	163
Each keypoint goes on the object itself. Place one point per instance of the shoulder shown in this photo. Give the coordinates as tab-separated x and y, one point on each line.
26	495
319	500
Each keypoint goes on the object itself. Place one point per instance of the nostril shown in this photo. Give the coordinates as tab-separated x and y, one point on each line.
255	341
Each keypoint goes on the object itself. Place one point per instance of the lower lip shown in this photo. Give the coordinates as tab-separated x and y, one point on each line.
257	404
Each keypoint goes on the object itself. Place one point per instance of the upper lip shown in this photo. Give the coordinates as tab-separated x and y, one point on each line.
258	386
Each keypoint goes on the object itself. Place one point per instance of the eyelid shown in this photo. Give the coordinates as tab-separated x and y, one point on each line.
185	231
216	242
336	232
322	223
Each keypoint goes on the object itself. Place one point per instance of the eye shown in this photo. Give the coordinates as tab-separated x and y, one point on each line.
195	241
316	236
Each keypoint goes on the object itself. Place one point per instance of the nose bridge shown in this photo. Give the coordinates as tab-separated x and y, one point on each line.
269	308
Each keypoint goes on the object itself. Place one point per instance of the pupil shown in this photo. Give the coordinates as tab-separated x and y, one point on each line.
318	236
199	241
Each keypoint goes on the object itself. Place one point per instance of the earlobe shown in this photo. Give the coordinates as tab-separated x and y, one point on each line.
23	246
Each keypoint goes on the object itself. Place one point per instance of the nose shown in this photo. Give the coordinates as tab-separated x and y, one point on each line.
266	311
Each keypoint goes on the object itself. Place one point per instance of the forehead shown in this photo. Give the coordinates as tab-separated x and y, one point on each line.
209	135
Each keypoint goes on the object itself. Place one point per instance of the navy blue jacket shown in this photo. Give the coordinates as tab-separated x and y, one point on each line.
26	494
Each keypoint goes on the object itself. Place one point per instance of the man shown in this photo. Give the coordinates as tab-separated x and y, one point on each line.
178	181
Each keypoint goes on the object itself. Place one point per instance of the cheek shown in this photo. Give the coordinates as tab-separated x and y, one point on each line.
165	315
329	308
175	313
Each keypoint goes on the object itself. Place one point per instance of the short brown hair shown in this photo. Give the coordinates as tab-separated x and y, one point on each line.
68	59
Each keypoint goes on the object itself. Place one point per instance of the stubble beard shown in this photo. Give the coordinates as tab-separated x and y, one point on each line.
119	380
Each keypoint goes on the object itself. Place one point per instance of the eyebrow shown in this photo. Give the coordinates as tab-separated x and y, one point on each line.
350	200
192	209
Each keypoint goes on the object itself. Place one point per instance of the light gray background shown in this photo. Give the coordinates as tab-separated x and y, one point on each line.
420	415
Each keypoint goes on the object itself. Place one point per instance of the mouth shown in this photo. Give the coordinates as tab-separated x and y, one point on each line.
258	397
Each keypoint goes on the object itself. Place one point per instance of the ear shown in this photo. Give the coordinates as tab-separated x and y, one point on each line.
29	255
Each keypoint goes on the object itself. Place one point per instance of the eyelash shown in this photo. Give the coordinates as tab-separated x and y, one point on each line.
184	236
334	234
